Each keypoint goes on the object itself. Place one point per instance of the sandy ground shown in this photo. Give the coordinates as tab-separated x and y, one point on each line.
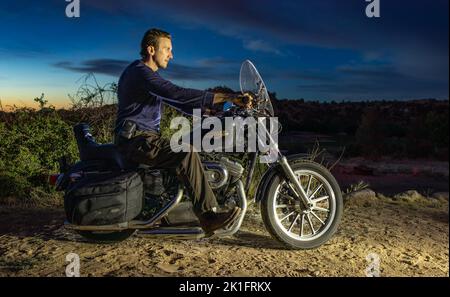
409	234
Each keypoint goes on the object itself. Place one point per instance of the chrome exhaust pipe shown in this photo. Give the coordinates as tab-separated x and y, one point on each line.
164	211
115	227
174	233
237	225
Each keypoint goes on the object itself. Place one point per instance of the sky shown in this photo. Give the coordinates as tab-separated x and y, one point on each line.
317	50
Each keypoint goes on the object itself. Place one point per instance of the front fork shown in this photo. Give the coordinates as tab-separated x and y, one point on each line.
294	183
292	180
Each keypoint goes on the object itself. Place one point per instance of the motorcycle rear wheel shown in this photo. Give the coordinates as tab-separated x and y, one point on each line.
292	224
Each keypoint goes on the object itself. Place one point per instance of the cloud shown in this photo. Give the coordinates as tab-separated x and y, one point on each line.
204	70
375	82
212	69
412	35
302	75
218	62
260	45
198	73
317	23
340	88
373	56
345	89
103	66
405	49
368	72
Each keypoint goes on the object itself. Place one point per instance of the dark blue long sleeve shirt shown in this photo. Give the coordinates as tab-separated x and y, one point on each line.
141	92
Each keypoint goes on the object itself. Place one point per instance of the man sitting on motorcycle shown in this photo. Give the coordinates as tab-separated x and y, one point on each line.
141	91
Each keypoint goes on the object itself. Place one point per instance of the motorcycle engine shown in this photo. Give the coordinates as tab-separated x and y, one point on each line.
223	172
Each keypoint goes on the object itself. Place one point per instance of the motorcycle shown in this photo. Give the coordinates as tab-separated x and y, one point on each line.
300	200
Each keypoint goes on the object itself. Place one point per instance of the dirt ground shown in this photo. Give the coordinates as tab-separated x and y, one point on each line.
409	234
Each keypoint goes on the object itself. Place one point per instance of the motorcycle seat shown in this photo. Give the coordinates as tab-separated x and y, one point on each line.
91	150
108	152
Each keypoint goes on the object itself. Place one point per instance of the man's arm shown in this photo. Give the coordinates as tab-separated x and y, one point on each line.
181	98
184	98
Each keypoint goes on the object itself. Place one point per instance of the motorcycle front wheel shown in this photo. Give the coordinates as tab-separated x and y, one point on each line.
295	225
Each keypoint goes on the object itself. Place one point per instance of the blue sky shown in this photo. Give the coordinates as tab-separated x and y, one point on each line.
317	50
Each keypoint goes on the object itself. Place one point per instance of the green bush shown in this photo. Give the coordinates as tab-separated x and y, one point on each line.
12	185
31	143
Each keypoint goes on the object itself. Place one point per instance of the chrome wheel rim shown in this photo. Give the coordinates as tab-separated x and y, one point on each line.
297	221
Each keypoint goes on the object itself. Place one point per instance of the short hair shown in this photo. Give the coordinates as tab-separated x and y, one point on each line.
151	39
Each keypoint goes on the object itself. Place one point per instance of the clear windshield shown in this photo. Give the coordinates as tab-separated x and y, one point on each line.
251	82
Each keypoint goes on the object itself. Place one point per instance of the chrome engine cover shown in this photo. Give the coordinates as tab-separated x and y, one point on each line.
220	173
216	173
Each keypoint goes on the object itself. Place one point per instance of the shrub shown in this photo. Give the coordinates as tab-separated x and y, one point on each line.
31	143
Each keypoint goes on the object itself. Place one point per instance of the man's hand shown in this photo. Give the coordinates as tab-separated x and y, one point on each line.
245	100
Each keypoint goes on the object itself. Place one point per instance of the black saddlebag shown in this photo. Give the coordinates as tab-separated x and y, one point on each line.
104	198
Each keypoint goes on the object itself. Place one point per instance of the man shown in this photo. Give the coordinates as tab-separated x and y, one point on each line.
141	91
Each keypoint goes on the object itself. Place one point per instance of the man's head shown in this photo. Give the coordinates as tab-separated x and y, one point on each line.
156	48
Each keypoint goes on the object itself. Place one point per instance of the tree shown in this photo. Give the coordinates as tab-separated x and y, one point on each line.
370	135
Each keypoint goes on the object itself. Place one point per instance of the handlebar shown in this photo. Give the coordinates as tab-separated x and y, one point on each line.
237	111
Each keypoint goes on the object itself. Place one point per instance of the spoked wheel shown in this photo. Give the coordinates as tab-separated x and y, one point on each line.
294	224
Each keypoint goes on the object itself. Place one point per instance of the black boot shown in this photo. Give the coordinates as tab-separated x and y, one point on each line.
211	221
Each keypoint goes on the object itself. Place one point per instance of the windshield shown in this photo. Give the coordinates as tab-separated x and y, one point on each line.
251	82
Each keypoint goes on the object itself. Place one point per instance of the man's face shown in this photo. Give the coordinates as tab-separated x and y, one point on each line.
163	52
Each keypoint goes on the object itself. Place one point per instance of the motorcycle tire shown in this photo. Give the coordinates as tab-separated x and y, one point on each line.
271	218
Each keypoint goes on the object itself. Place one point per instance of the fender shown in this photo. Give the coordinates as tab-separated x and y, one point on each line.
270	173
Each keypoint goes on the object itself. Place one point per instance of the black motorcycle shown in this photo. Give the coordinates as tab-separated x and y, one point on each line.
108	199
